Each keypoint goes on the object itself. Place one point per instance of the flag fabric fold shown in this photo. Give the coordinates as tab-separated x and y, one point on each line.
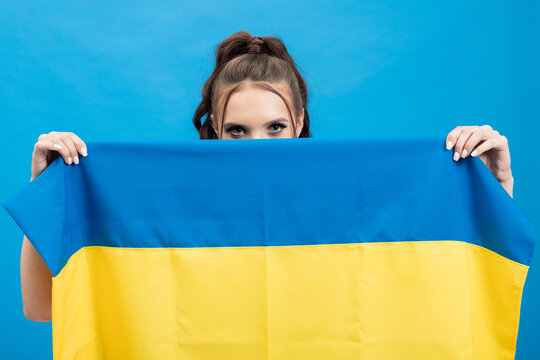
375	248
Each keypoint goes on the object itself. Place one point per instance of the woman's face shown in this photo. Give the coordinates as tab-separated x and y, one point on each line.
256	113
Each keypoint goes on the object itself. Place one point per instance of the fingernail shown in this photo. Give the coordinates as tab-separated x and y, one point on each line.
464	153
83	152
474	153
69	160
76	159
448	145
57	146
456	156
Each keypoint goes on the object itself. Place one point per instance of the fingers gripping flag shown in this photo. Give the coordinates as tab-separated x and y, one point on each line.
278	249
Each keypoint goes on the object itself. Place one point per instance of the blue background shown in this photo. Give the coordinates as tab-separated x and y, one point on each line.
132	70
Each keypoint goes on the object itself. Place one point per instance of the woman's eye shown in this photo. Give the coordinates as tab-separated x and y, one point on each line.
232	130
276	127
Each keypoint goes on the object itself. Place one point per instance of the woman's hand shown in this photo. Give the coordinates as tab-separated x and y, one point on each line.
487	143
50	146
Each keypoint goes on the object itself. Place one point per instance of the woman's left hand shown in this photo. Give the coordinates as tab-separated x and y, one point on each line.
487	143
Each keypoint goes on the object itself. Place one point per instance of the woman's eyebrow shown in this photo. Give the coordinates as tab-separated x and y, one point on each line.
275	120
229	124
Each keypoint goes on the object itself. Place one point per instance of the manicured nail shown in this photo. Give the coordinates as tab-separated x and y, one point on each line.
448	145
456	156
464	153
76	159
83	152
69	160
57	146
474	152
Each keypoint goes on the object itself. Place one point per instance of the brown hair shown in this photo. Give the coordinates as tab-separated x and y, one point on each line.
259	60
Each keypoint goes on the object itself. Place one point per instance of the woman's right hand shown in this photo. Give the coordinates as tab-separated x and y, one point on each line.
50	146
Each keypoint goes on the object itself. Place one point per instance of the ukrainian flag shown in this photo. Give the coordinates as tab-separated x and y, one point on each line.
278	249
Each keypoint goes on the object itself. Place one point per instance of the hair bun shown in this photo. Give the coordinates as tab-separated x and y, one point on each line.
255	45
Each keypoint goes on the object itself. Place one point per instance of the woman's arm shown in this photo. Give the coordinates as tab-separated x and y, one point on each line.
36	284
509	186
36	277
489	145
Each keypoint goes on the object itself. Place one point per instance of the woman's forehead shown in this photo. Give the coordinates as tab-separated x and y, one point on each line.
255	104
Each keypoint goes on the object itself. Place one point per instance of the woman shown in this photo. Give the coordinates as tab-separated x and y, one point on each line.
254	92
